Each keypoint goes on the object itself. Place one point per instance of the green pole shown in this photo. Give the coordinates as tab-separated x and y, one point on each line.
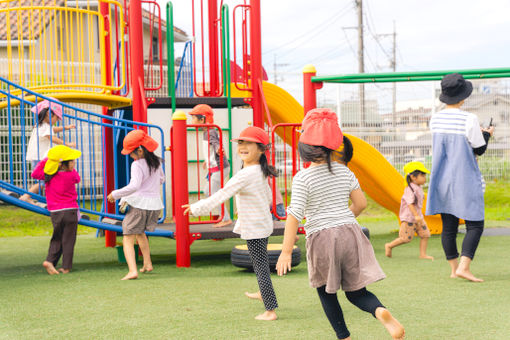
170	52
225	40
411	76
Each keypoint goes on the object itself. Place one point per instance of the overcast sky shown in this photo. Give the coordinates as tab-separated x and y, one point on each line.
431	35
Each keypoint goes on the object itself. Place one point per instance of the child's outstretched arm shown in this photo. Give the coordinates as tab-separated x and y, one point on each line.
359	202
38	172
233	186
134	184
284	263
58	129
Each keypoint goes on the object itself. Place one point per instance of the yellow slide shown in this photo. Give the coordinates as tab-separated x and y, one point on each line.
377	177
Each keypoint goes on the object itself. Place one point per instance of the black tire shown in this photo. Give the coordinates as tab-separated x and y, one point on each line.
240	256
366	232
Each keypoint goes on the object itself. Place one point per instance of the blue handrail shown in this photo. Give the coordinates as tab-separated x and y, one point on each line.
89	138
184	79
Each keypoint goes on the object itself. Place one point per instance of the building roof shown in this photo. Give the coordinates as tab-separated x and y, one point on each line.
33	19
28	18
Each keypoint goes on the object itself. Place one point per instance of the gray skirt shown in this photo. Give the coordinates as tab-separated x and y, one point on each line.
341	256
137	221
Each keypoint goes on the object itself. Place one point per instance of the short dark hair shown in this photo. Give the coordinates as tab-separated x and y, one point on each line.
199	117
315	153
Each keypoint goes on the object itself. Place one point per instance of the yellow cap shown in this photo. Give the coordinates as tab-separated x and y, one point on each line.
58	154
415	165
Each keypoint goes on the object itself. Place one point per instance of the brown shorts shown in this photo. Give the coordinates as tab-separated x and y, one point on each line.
137	221
407	230
341	256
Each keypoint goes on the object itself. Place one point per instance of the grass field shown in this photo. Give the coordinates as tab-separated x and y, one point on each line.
206	301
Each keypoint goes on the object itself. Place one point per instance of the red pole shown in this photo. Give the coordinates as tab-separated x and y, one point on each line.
110	236
180	161
137	61
213	48
256	63
309	88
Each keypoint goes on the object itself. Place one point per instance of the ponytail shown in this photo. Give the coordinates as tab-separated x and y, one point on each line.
153	161
267	170
41	116
409	180
315	153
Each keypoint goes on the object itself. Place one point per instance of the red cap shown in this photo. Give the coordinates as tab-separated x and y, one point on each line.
204	110
253	134
320	127
136	138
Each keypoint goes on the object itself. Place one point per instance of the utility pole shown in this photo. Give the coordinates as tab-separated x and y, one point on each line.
361	63
393	65
275	66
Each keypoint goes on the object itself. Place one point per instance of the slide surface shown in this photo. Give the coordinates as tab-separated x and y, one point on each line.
377	177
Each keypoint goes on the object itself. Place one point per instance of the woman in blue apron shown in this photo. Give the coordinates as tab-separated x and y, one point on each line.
456	184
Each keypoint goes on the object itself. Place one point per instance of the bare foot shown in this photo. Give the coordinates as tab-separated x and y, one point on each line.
394	327
427	257
222	224
387	250
146	269
466	274
453	275
63	271
130	276
50	268
268	315
255	296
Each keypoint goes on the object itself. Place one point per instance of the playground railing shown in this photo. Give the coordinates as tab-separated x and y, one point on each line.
54	46
184	79
88	136
286	160
196	136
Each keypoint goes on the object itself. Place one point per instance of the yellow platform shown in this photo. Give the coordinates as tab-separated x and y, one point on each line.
107	100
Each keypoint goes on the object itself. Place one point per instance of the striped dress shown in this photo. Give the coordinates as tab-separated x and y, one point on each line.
456	185
253	198
323	197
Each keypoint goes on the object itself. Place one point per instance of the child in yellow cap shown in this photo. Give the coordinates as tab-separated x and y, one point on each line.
410	214
58	172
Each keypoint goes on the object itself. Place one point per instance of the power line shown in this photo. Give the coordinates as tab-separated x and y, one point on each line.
316	29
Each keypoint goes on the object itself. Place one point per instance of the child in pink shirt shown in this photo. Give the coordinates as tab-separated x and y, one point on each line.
410	215
60	177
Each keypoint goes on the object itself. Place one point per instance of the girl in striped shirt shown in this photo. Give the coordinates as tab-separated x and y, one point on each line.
338	253
254	222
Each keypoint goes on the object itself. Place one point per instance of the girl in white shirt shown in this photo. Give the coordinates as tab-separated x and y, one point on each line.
142	194
254	223
43	136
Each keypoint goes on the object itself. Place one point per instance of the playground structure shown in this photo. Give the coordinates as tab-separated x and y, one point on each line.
208	73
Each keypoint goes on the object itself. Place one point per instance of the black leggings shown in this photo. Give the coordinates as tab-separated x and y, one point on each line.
474	230
362	299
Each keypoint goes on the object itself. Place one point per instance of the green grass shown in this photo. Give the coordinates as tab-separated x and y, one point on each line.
206	300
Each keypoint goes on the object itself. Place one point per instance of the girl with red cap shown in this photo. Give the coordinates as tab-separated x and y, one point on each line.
143	197
211	146
253	196
338	252
43	136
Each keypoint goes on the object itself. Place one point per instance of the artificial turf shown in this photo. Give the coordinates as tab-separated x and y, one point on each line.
206	301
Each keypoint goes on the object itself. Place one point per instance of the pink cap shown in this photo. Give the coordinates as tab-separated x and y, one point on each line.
56	109
320	127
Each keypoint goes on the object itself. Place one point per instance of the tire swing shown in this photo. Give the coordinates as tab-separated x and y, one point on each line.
241	258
